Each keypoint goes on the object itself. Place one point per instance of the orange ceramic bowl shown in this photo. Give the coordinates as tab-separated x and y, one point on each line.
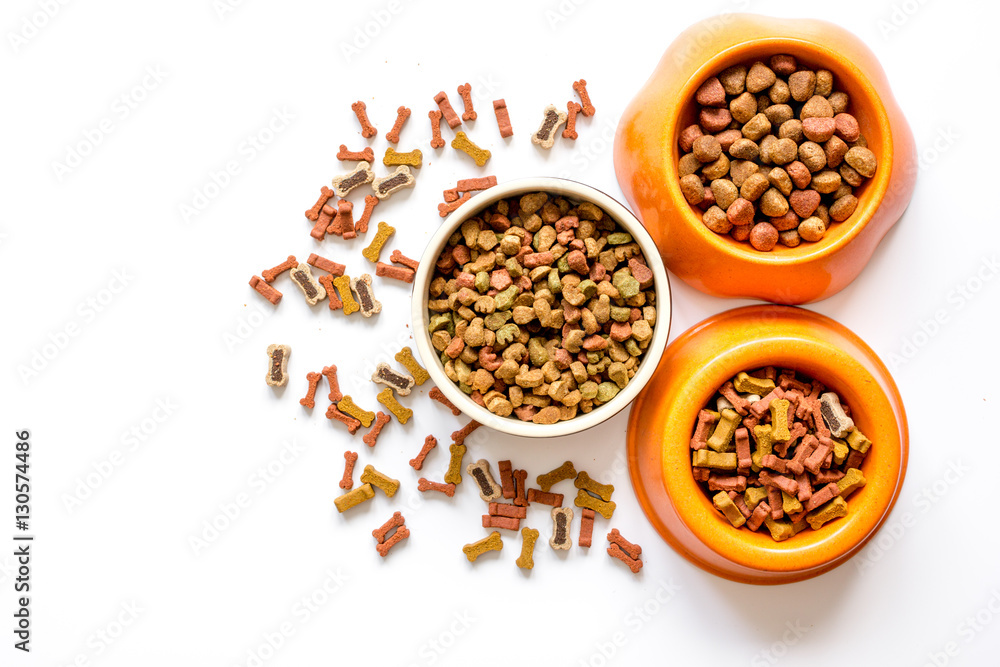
690	371
646	155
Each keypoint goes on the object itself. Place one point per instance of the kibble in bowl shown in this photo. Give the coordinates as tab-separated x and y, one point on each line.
541	307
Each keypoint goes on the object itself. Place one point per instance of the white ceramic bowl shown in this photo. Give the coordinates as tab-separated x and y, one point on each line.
576	192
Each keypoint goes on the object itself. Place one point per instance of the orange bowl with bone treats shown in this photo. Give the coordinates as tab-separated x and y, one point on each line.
767	157
541	307
711	496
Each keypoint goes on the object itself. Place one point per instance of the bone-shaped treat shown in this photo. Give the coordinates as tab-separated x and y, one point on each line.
270	274
437	395
427	485
551	478
386	484
371	437
503	509
545	497
352	424
450	195
374	249
343	285
362	286
309	400
446	208
349	407
322	222
354	498
562	517
277	365
328	265
503	118
367	129
604	508
581	89
446	109
400	273
311	288
392	136
526	560
492	543
361	226
388	185
405	357
506	479
586	527
401	534
387	398
632	550
430	442
364	155
395	521
343	222
552	118
454	474
572	108
488	489
387	375
347	481
361	174
465	90
504	522
833	414
476	184
583	481
330	372
520	492
633	564
462	142
436	140
325	194
460	435
393	158
265	290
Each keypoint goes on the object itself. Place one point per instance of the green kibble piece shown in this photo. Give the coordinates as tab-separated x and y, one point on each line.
505	299
619	238
627	285
594	357
495	320
441	321
562	265
589	389
537	352
507	333
606	391
620	313
632	347
555	283
514	268
482	281
465	388
589	288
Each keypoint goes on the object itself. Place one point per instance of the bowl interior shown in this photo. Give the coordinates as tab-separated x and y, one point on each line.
575	192
865	105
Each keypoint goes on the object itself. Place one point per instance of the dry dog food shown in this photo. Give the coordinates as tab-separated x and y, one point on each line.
351	423
782	453
562	517
506	479
400	273
364	155
551	478
277	365
362	288
328	265
347	481
405	357
624	551
388	185
354	498
520	495
383	482
387	398
384	541
465	90
552	118
430	442
572	109
586	527
367	129
436	140
311	289
371	437
544	497
503	118
361	226
492	543
361	174
581	89
330	372
454	473
602	507
460	435
488	489
387	375
426	485
436	395
392	158
349	407
775	156
265	290
526	560
448	207
343	285
331	294
503	522
270	274
343	222
462	143
374	249
309	400
541	308
446	110
392	136
325	194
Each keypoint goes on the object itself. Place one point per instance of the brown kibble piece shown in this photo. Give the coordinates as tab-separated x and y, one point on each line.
862	160
506	479
711	93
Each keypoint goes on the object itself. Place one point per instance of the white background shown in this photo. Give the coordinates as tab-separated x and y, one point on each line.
185	330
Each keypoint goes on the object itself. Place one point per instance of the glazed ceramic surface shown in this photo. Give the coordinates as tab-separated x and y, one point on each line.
646	155
692	368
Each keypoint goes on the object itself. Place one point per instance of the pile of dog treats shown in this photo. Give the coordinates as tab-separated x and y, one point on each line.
775	447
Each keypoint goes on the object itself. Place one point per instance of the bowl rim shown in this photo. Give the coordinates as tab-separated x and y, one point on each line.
868	204
754	557
573	190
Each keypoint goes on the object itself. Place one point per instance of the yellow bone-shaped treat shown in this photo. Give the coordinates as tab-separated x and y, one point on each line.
492	543
551	478
343	285
354	498
463	143
454	474
374	249
748	384
393	158
724	504
349	407
722	436
405	357
834	509
584	499
583	481
387	398
387	484
526	560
